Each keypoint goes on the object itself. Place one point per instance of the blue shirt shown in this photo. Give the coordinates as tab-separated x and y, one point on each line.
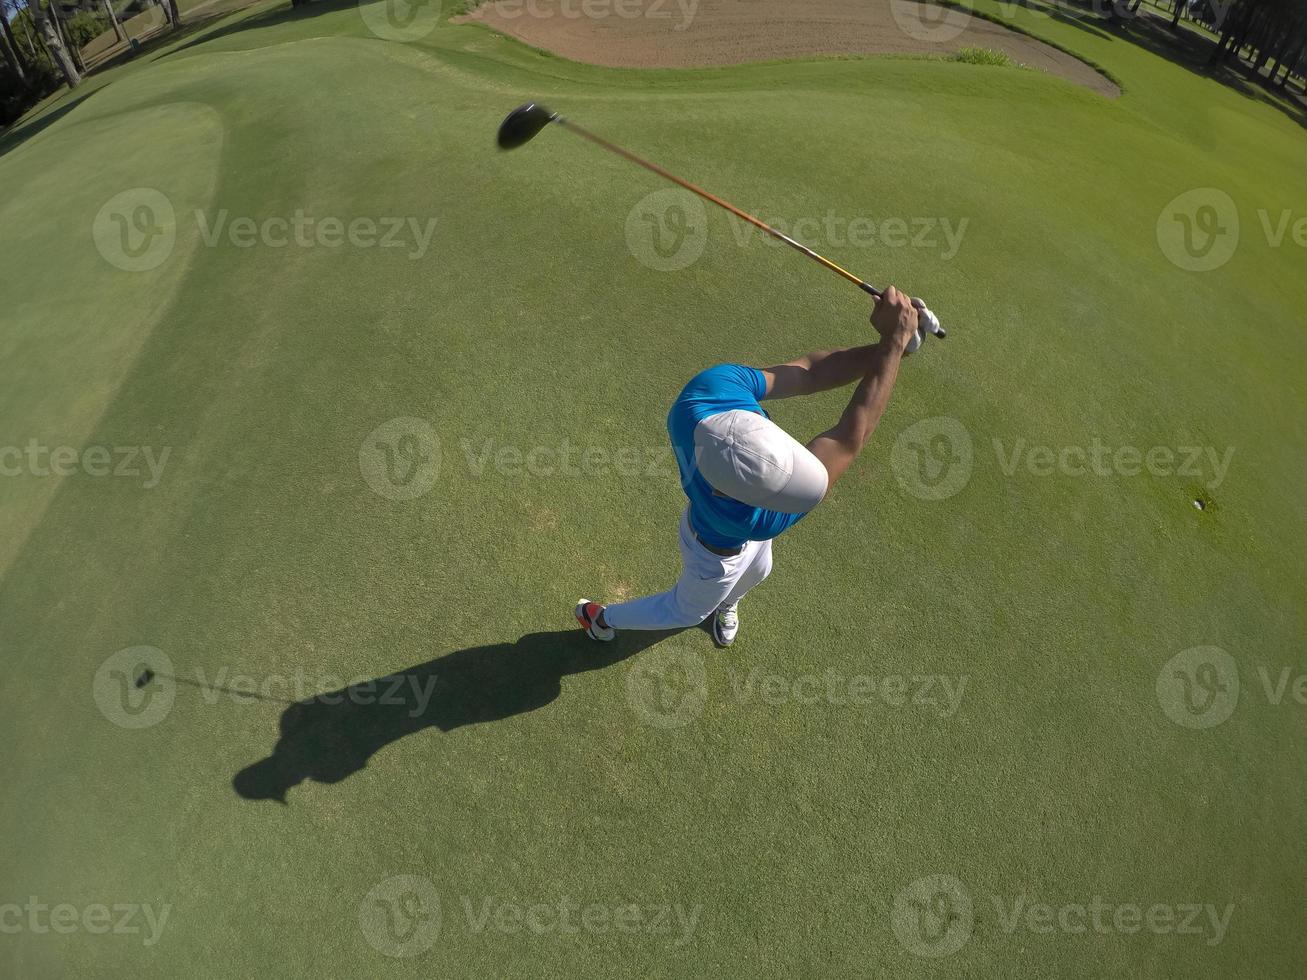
720	521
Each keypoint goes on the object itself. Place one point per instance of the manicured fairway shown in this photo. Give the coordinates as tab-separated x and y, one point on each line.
765	821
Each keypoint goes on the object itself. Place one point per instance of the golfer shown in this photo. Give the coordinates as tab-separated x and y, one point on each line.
749	480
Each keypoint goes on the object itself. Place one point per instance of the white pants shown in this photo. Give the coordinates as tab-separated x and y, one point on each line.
707	582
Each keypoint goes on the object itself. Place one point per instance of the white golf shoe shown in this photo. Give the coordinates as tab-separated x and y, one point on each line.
725	624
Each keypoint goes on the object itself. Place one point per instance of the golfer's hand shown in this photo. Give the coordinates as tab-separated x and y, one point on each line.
894	317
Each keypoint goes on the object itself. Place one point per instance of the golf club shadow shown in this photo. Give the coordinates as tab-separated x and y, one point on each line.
331	736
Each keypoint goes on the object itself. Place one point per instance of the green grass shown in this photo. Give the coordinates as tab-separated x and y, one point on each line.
984	56
529	323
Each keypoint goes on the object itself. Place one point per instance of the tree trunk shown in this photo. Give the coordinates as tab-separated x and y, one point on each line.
1284	52
1218	49
1274	38
1288	64
1230	28
11	59
113	19
1179	9
27	39
57	16
1233	38
11	49
54	44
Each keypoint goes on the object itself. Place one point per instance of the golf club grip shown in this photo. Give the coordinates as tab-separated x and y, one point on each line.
709	196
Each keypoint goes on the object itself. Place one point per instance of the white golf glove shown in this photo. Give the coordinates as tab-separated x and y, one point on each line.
927	322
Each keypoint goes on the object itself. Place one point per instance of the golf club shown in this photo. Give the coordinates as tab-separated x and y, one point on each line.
522	124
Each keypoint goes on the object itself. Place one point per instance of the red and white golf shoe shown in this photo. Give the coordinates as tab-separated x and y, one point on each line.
587	614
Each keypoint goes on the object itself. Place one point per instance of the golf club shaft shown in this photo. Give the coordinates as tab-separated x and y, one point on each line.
708	196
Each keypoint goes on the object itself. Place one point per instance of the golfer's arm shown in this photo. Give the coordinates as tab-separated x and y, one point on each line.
839	446
818	371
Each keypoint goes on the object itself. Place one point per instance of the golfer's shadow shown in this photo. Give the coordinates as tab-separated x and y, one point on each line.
329	737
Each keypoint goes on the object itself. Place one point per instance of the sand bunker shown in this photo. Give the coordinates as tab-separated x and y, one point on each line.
701	33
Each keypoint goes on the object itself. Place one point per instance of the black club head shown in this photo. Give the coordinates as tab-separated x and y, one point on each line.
145	678
521	125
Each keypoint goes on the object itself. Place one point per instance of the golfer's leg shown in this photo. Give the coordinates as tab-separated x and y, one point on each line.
689	603
759	568
704	583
